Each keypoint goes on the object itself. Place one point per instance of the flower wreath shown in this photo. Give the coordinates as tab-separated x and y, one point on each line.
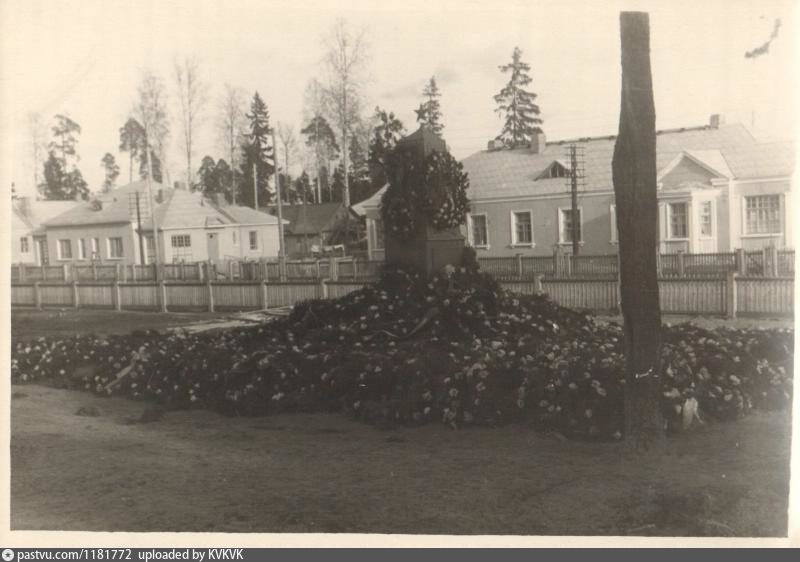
438	193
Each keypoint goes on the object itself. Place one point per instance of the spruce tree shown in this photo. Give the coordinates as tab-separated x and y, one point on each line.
258	152
388	130
111	169
429	113
517	104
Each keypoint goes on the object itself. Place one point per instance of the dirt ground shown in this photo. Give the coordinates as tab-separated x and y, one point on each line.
197	471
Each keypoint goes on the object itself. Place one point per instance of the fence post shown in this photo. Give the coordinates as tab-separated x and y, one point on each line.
230	270
538	283
76	301
773	260
355	269
117	297
319	272
323	289
730	291
37	295
658	264
22	272
741	265
519	266
264	295
133	272
333	269
681	264
162	289
65	274
210	289
94	270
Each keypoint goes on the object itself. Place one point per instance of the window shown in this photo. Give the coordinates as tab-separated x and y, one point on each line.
150	249
521	228
763	214
181	247
115	248
23	245
479	231
95	248
565	235
81	248
377	227
678	225
65	249
613	218
253	240
706	219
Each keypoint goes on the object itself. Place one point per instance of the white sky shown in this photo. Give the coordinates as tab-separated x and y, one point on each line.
83	58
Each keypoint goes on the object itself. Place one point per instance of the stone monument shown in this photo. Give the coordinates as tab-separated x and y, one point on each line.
428	249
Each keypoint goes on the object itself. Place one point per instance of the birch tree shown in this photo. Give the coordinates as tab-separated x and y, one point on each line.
192	100
231	126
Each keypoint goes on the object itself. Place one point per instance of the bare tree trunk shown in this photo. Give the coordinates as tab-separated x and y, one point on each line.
634	176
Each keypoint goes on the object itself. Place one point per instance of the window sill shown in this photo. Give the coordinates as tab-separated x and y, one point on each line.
570	243
614	242
115	259
676	240
765	235
525	245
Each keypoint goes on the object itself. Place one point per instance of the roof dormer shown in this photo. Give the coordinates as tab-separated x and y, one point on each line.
556	169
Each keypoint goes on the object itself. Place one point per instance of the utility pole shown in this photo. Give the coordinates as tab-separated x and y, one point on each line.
255	186
575	180
281	255
139	227
150	197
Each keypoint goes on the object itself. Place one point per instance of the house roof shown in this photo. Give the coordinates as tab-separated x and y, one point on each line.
179	209
39	211
729	149
374	201
308	219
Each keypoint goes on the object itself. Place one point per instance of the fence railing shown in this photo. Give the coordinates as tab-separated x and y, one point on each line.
769	262
335	268
729	296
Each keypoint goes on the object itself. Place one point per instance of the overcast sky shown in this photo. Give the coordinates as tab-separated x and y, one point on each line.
84	58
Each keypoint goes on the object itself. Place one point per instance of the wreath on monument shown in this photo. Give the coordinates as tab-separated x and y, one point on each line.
437	194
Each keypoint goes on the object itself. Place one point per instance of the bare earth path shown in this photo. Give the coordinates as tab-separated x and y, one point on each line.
197	471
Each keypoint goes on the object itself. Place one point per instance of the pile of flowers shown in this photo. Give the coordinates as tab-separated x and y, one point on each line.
408	350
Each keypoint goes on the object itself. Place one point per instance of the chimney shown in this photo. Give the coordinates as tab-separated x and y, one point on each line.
538	143
716	120
494	144
24	205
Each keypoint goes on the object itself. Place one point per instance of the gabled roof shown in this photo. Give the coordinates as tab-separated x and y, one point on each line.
39	211
178	209
510	173
308	219
372	202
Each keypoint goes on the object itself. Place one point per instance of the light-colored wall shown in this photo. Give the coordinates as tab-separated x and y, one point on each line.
267	242
739	190
596	225
103	232
19	229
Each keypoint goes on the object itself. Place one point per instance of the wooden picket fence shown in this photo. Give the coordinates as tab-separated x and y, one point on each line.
769	262
728	296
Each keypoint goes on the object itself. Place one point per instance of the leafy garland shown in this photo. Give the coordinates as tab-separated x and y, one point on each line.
437	193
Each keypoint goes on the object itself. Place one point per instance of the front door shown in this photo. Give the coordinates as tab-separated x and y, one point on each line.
41	251
213	246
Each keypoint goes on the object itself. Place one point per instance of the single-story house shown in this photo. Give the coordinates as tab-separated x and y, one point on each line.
313	226
28	241
117	227
718	189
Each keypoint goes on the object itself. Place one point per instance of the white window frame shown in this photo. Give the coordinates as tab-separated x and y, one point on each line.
560	222
81	248
111	255
471	232
24	245
712	220
181	245
60	253
252	238
781	223
612	215
513	221
687	217
95	248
